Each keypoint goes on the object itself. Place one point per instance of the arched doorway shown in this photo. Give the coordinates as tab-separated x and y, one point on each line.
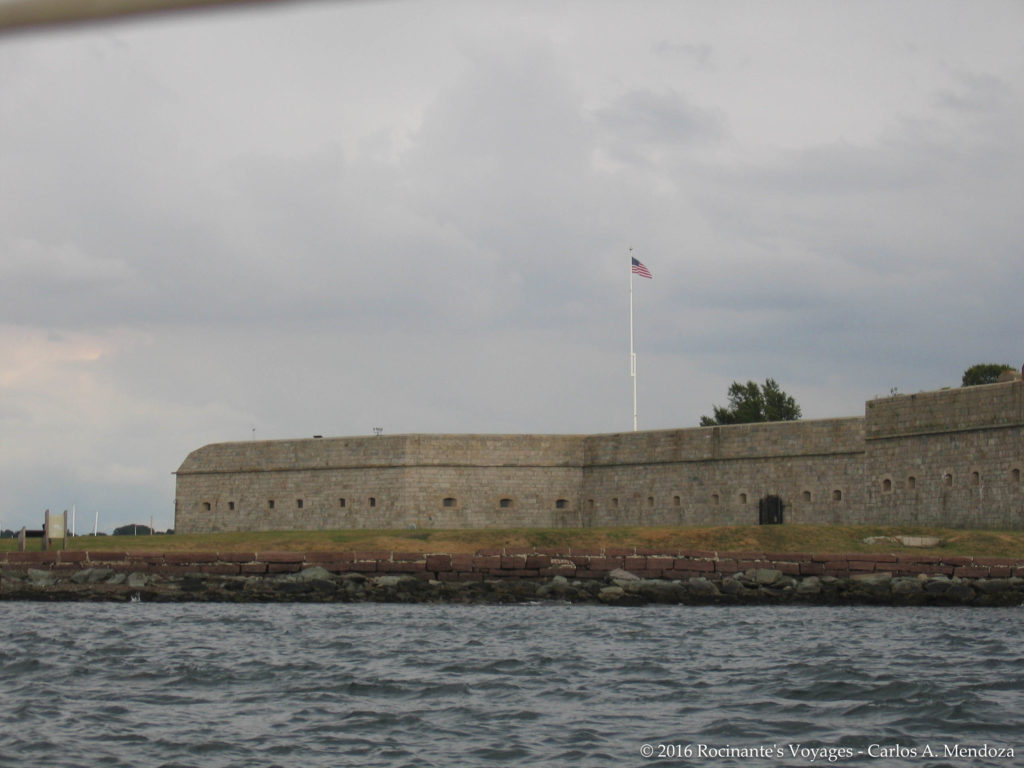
769	511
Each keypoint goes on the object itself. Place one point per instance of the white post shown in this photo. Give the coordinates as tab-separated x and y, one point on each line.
96	524
632	354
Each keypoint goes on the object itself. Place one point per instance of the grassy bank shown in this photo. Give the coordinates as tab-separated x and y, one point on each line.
770	538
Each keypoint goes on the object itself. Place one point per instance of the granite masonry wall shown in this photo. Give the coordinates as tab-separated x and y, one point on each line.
952	457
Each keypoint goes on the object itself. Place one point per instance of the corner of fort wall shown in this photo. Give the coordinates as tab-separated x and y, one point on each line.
951	458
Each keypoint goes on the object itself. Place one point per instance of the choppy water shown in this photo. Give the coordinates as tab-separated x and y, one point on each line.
534	685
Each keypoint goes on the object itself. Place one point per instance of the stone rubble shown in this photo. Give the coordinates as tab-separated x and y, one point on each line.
756	586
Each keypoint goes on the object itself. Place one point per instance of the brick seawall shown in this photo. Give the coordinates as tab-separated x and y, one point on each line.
623	575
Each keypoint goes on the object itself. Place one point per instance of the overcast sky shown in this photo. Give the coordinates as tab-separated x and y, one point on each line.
330	217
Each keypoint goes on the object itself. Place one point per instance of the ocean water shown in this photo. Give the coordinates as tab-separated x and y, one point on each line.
525	685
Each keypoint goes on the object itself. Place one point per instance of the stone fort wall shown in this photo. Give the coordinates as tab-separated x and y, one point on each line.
952	458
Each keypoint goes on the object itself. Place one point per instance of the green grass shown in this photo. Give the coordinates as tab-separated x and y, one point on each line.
770	538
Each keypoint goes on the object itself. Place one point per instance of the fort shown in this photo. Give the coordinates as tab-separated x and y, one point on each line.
951	458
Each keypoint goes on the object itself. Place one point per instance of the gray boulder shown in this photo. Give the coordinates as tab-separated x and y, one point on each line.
40	578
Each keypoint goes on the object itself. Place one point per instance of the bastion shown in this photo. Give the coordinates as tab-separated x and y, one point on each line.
949	458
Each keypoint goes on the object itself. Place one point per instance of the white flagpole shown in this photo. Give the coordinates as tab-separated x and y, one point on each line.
632	354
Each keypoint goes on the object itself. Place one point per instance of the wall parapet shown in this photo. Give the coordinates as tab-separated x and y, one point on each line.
961	409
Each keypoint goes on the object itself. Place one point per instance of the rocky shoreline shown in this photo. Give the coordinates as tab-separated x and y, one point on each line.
620	577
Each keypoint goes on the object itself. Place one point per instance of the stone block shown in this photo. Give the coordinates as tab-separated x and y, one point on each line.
289	567
538	561
167	570
35	558
328	556
861	566
180	558
749	556
929	569
281	557
852	557
971	571
552	551
788	557
236	557
906	558
559	570
335	566
413	556
1006	561
660	563
749	565
829	558
704	554
365	556
401	566
221	569
439	563
686	564
958	561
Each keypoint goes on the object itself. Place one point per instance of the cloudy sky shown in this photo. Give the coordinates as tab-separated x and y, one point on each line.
335	216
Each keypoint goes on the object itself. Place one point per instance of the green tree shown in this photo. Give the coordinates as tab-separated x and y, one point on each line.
984	373
752	402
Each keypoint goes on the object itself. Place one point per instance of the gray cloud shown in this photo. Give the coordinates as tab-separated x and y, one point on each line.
416	216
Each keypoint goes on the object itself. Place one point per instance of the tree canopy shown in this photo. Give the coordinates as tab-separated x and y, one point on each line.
752	402
984	373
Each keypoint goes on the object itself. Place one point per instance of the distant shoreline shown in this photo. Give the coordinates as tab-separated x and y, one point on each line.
606	575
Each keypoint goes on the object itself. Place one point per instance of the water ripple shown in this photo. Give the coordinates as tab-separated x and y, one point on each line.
390	685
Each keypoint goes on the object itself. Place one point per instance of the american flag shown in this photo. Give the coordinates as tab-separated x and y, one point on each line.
640	269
